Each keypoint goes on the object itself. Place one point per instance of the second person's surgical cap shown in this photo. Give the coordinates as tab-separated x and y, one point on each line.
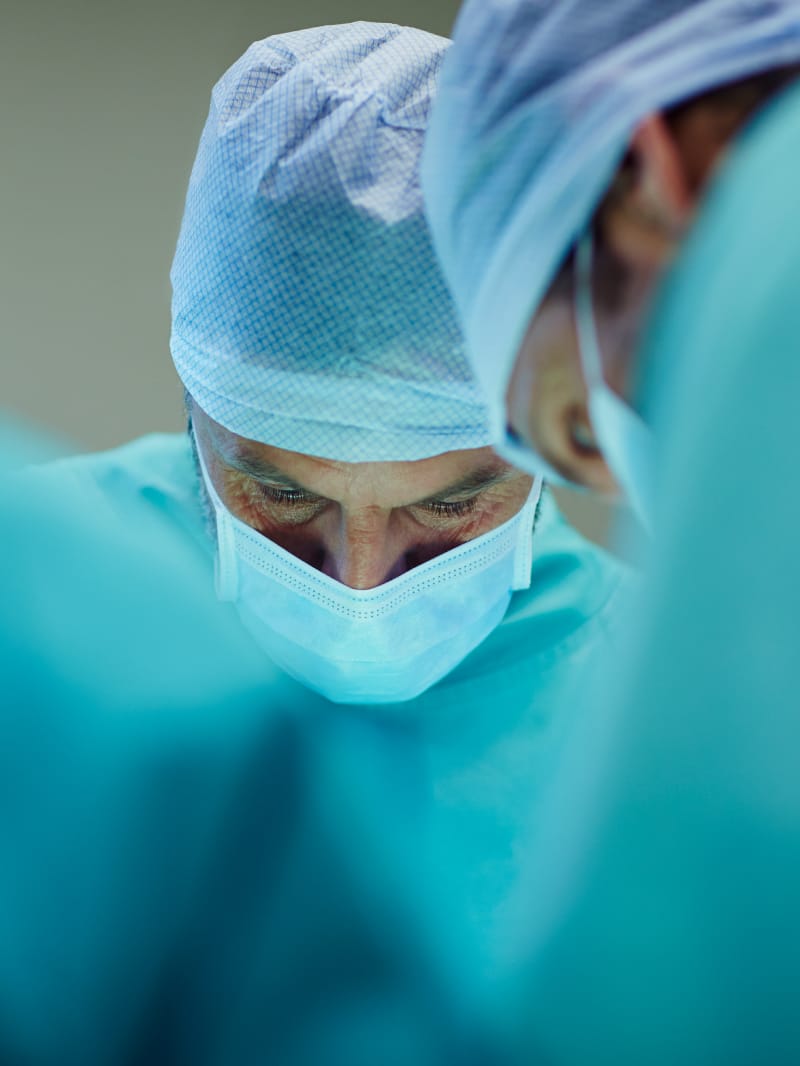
537	103
309	311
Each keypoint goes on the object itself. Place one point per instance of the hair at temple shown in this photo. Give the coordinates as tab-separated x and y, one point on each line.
745	94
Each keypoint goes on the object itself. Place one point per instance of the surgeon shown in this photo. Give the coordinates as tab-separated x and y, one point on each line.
619	239
337	483
568	160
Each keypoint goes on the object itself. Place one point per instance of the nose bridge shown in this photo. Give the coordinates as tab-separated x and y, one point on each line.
363	549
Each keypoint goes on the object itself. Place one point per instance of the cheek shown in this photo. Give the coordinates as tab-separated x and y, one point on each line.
305	542
547	376
243	501
301	538
508	502
493	511
559	389
248	503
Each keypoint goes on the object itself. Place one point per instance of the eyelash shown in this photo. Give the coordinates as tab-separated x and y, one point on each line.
283	495
452	510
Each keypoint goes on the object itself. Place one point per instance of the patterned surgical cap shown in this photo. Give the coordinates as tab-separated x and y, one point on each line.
537	103
309	311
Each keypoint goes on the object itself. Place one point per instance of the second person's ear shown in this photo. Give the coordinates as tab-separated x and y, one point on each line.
647	216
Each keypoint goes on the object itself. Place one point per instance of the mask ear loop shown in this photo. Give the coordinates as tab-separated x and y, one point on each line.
604	401
226	570
588	344
523	555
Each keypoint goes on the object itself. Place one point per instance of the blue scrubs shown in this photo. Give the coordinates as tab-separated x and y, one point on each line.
668	929
487	738
194	858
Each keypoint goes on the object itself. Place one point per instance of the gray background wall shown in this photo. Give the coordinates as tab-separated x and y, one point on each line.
101	107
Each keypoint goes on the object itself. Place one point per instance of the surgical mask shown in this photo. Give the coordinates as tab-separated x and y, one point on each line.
382	645
622	436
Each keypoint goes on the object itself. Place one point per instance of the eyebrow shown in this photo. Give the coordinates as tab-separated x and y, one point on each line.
472	483
261	470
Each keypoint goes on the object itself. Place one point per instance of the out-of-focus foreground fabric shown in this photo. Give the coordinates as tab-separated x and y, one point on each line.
667	929
191	869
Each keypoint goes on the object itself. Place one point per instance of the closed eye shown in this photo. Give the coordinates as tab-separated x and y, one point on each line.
451	508
286	496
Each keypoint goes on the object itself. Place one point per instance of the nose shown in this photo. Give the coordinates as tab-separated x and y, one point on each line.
363	552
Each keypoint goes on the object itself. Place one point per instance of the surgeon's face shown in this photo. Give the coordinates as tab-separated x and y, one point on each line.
546	400
637	232
361	523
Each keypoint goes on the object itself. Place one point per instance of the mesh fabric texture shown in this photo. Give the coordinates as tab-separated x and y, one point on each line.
309	311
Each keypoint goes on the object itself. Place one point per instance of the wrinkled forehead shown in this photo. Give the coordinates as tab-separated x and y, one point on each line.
389	484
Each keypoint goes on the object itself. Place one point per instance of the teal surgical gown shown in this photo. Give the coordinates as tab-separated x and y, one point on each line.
668	930
200	863
490	735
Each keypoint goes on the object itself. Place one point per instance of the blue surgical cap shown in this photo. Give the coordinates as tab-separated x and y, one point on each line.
537	103
309	310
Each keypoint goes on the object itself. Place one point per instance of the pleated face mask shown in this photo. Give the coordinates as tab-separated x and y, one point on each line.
381	645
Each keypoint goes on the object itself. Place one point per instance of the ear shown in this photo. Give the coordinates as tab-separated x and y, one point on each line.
664	183
650	212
